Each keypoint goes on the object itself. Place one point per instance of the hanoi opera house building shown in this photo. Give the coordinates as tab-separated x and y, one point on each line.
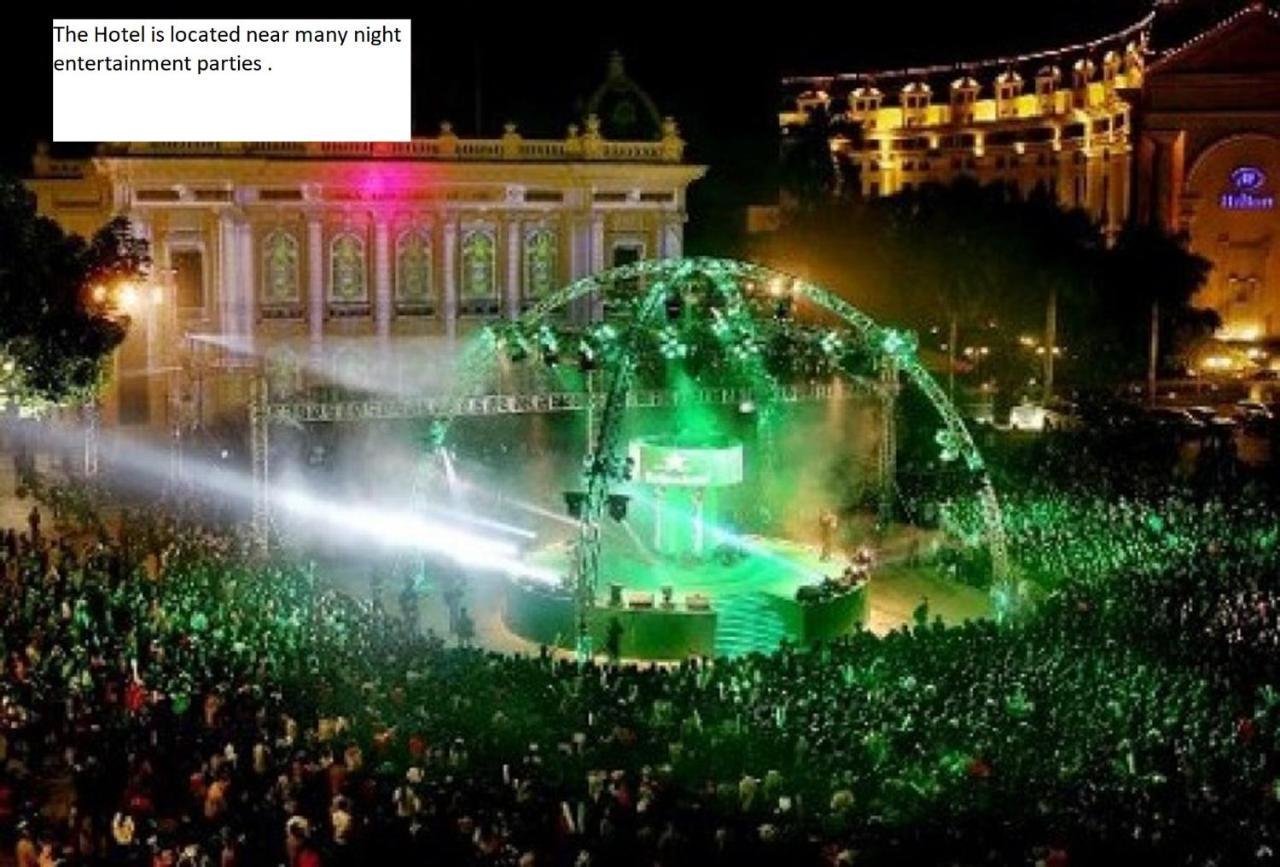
331	256
1183	132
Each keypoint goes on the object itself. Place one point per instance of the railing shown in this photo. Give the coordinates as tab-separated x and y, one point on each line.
542	402
444	147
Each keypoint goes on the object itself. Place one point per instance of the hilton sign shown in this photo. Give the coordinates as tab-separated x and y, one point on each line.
1245	192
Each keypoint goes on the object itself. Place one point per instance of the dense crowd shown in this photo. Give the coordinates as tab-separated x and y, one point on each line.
168	699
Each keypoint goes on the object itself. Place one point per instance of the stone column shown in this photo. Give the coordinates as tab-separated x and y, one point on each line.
228	274
449	261
315	281
579	260
513	269
673	236
247	296
382	277
1166	177
598	264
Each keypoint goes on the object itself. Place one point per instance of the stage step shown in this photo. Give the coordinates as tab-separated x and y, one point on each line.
746	623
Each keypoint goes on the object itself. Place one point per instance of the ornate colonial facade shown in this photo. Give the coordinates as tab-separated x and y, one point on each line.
1184	135
331	255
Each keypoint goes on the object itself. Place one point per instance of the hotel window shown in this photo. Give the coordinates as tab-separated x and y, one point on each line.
347	284
478	291
539	263
188	278
413	271
280	270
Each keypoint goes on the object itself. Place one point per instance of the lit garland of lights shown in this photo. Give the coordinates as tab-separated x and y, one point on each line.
824	82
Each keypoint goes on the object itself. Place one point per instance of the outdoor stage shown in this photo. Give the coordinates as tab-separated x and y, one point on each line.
741	597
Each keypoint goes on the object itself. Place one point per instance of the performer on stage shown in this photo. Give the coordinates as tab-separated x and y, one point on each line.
827	525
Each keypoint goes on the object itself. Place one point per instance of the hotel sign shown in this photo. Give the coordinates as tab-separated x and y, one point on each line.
1245	191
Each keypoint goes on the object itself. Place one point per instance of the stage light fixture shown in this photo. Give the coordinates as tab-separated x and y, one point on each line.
574	502
618	506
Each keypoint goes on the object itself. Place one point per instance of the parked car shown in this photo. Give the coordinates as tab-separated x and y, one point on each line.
1054	415
1062	415
1211	417
1027	416
1176	420
1253	410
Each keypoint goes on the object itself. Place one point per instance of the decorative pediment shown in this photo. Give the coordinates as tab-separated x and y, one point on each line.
1247	42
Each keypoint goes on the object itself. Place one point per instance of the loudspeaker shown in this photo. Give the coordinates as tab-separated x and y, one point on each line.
618	506
573	503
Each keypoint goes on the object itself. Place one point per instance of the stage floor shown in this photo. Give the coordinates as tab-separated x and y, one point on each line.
775	566
738	589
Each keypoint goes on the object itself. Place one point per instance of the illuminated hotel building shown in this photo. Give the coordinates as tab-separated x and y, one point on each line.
1186	135
300	256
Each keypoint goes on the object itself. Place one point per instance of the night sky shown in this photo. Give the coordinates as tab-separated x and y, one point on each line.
719	78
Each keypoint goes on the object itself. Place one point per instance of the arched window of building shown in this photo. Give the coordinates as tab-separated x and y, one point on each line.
539	263
865	100
283	372
479	274
915	103
1081	75
1110	67
1133	64
279	269
347	284
1047	80
1008	89
964	93
413	268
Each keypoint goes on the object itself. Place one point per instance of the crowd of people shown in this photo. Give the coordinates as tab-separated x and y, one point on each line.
169	699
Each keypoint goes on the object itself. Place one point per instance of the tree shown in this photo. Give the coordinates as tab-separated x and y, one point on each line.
988	264
1059	249
953	247
1149	281
55	335
809	173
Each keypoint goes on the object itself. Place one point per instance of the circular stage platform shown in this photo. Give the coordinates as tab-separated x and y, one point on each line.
739	598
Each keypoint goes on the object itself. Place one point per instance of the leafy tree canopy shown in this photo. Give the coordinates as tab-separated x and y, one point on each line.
55	336
970	255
